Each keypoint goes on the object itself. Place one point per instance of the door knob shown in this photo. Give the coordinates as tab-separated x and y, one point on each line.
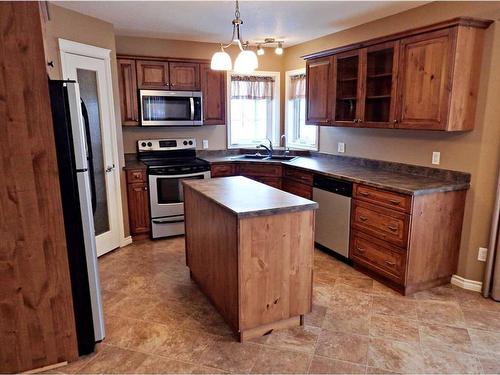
109	168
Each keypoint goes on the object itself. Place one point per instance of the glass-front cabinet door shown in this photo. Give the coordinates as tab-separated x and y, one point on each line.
380	76
347	93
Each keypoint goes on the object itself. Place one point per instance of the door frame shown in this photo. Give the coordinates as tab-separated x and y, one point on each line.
76	48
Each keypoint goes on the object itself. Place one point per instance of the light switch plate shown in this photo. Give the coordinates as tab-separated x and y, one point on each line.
436	157
482	254
341	147
205	144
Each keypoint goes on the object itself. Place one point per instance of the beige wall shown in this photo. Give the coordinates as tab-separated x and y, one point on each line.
216	135
74	26
476	152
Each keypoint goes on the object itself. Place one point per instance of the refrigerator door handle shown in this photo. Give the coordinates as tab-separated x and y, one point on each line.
90	156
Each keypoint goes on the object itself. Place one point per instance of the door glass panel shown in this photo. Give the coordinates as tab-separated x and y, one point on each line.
87	79
164	108
170	190
347	88
378	85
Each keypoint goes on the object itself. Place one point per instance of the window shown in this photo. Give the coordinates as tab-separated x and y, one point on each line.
253	109
298	134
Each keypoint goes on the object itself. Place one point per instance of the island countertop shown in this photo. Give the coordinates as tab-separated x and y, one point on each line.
245	197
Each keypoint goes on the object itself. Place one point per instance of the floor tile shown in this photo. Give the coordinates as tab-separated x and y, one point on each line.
394	328
114	360
359	284
344	299
159	365
485	343
302	338
184	345
397	306
347	320
279	361
322	293
482	319
443	361
322	365
454	338
316	317
230	355
343	346
396	356
448	313
490	365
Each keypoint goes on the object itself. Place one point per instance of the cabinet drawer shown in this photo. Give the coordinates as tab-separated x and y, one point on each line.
389	225
379	256
136	175
271	181
221	170
295	174
259	169
297	188
384	198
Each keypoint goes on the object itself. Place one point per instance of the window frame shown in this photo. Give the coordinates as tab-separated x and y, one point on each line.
276	106
288	75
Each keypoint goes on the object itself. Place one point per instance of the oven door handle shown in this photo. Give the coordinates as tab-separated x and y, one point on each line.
168	221
191	102
178	175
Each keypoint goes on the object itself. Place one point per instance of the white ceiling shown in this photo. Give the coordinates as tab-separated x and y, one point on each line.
210	21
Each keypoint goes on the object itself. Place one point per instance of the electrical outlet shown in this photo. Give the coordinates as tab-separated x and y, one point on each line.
436	157
205	144
482	254
341	147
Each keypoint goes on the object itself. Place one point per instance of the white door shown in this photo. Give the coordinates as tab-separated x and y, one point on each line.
91	74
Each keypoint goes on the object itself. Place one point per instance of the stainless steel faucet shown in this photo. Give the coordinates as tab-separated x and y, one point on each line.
269	149
287	149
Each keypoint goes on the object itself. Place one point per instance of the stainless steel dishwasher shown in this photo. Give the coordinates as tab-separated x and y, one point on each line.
334	213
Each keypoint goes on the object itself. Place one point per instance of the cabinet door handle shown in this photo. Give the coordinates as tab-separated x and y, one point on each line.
364	193
392	228
145	188
395	202
395	121
360	249
389	263
363	218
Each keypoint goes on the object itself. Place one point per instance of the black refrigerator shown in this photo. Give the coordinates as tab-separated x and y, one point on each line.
74	157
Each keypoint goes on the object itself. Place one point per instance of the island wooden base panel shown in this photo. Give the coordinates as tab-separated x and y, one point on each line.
267	329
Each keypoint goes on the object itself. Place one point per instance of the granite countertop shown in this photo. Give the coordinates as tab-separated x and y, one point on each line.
398	177
247	198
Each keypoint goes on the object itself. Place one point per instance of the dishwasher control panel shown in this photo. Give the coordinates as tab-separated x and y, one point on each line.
333	185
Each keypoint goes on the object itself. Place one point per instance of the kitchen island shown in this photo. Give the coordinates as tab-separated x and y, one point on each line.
250	249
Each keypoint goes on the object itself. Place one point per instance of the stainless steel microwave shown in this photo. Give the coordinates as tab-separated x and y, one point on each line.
171	108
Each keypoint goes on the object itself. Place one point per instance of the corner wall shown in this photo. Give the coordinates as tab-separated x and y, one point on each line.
476	152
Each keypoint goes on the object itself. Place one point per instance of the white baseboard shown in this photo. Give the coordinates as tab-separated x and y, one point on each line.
476	286
126	241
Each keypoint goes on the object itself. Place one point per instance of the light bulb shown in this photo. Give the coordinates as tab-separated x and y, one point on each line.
260	50
279	49
246	62
221	61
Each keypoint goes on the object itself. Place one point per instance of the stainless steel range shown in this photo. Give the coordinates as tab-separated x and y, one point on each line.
169	161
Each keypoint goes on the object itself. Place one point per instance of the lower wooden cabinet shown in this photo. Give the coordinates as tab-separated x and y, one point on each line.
223	170
138	202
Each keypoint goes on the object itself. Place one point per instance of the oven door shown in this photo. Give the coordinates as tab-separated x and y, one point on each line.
166	194
171	108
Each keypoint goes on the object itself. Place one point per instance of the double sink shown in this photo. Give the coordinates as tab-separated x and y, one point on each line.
265	157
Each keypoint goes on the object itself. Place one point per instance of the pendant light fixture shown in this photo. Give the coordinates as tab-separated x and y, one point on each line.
246	61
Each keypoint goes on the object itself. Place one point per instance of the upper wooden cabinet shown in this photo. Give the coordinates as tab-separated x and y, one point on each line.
317	91
184	76
213	88
425	78
127	82
152	75
155	73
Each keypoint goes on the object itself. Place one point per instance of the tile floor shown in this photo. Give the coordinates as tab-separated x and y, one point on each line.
157	321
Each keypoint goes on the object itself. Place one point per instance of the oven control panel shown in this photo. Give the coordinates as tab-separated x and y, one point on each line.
145	145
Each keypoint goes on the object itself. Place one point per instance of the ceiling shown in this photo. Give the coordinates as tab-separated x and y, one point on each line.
210	21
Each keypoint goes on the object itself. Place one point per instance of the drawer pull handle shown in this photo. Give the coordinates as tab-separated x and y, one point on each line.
395	202
360	249
389	263
363	218
364	193
392	228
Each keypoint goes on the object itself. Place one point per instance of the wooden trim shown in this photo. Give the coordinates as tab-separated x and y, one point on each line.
269	328
459	21
157	58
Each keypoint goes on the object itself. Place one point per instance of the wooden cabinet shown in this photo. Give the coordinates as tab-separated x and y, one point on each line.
184	76
297	182
410	243
213	88
317	91
153	75
223	170
425	78
138	202
127	82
